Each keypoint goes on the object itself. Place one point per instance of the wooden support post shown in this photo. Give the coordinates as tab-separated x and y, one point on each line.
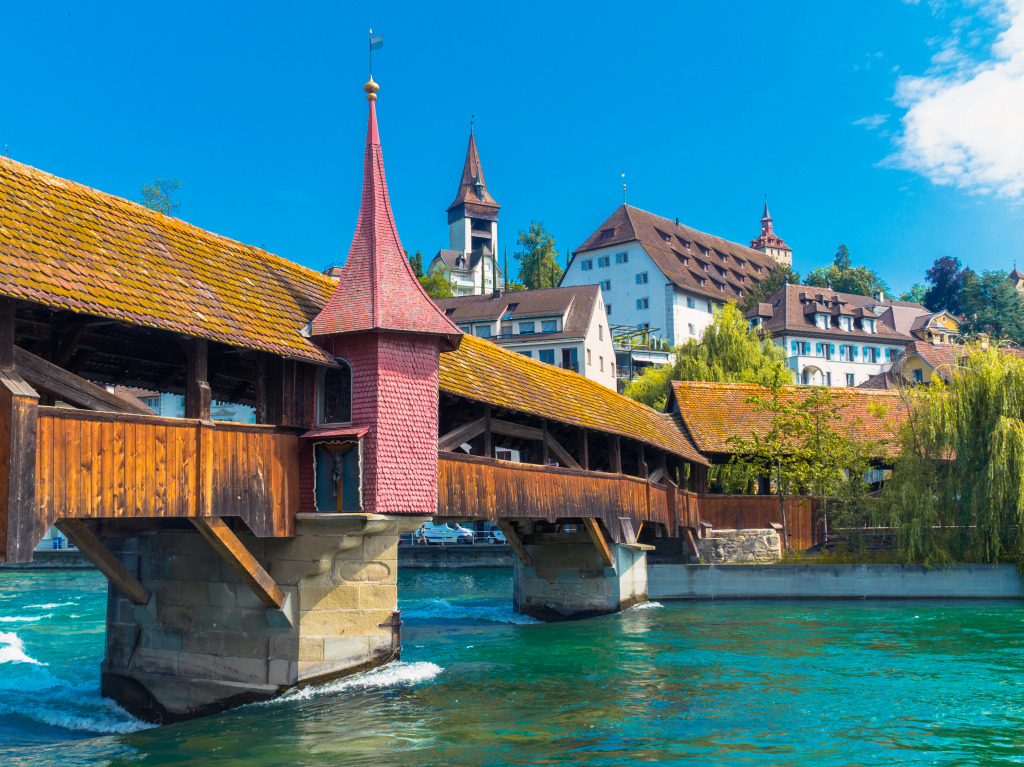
275	390
488	447
6	334
88	543
615	455
462	434
515	542
204	473
640	462
673	512
261	388
241	560
197	385
544	458
700	478
585	449
21	527
594	531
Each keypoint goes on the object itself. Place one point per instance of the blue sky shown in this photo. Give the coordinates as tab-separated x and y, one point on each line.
895	127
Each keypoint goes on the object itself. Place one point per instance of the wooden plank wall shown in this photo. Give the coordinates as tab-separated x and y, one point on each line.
739	512
486	488
91	464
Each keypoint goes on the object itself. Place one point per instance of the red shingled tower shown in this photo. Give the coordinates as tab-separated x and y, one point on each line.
771	243
380	323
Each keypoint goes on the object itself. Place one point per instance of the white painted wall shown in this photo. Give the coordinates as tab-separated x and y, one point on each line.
839	368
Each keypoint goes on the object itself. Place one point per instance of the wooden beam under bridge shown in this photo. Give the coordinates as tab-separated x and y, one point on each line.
241	560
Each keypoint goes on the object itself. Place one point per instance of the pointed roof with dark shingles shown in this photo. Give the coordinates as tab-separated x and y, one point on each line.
472	172
377	289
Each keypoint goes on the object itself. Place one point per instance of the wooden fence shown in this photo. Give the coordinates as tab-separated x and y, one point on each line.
92	464
759	511
486	488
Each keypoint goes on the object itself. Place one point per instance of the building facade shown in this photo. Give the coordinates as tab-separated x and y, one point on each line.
660	276
770	243
566	327
843	339
471	257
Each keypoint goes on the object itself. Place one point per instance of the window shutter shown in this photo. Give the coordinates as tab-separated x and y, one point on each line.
832	350
817	349
854	348
794	346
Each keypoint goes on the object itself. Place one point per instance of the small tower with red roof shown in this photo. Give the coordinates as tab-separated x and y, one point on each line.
374	446
769	242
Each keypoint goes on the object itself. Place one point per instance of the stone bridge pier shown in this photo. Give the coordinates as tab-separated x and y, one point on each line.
205	641
576	573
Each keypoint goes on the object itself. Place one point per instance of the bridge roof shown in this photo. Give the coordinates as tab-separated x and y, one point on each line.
482	371
70	247
712	413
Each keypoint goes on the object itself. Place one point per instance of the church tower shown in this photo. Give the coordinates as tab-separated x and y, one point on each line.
769	242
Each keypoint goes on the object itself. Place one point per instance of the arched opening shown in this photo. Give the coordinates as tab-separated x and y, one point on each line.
335	394
812	376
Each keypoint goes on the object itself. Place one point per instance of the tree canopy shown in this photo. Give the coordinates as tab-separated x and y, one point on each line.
843	277
416	261
438	284
946	280
538	258
915	294
957	491
729	351
778	276
992	305
159	195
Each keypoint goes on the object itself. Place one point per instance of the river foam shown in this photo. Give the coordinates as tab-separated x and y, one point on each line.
395	674
12	649
443	610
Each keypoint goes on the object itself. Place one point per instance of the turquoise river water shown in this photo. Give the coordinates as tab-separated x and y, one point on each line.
795	683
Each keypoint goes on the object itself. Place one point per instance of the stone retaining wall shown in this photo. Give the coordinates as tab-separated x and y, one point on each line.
740	546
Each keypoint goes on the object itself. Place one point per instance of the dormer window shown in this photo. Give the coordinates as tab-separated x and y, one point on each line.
335	394
821	320
869	326
664	236
844	323
607	234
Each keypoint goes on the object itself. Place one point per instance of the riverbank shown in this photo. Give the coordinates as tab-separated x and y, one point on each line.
54	559
811	581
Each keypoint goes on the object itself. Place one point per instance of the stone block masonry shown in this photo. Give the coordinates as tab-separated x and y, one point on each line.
212	644
740	547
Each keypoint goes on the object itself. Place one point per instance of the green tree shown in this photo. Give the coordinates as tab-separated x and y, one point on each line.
729	351
438	284
780	275
416	261
992	305
538	259
915	294
845	278
159	194
957	490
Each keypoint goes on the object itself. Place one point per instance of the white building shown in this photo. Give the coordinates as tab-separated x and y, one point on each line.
659	275
470	259
561	326
842	339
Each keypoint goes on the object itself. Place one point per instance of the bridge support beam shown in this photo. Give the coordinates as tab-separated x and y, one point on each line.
214	642
572	577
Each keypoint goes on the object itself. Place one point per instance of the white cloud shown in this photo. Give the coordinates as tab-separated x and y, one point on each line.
964	121
872	122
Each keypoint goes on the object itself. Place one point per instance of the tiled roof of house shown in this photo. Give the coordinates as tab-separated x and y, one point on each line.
883	380
71	247
450	259
714	412
484	372
793	307
377	289
701	263
939	357
576	304
470	191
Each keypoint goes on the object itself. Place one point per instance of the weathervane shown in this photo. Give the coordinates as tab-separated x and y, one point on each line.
623	188
375	43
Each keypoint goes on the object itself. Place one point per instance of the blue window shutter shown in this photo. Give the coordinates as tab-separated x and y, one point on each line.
854	348
832	350
817	349
794	346
888	355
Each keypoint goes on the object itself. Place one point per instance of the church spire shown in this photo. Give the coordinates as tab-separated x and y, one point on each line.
766	216
377	289
769	242
472	187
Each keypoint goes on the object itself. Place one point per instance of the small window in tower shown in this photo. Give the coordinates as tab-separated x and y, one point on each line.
336	394
607	234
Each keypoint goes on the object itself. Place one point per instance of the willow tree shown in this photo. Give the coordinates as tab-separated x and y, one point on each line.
957	491
729	351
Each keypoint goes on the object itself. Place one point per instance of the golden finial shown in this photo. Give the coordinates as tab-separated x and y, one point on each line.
371	89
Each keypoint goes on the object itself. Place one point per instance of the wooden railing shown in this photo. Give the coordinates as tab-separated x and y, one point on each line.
92	464
486	488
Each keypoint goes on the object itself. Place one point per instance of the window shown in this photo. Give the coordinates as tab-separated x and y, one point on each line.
590	361
336	394
603	261
607	234
801	348
711	306
549	326
664	236
888	355
691	303
848	353
870	354
622	258
869	326
587	264
527	353
693	329
642	303
844	323
570	360
821	320
482	331
849	379
601	361
606	285
607	308
918	376
641	278
547	356
600	332
525	328
705	266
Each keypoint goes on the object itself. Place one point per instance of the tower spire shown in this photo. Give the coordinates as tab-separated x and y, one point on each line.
377	289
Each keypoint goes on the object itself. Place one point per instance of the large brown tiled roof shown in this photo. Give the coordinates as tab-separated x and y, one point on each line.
71	247
377	289
484	372
788	311
681	253
576	304
714	412
884	380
